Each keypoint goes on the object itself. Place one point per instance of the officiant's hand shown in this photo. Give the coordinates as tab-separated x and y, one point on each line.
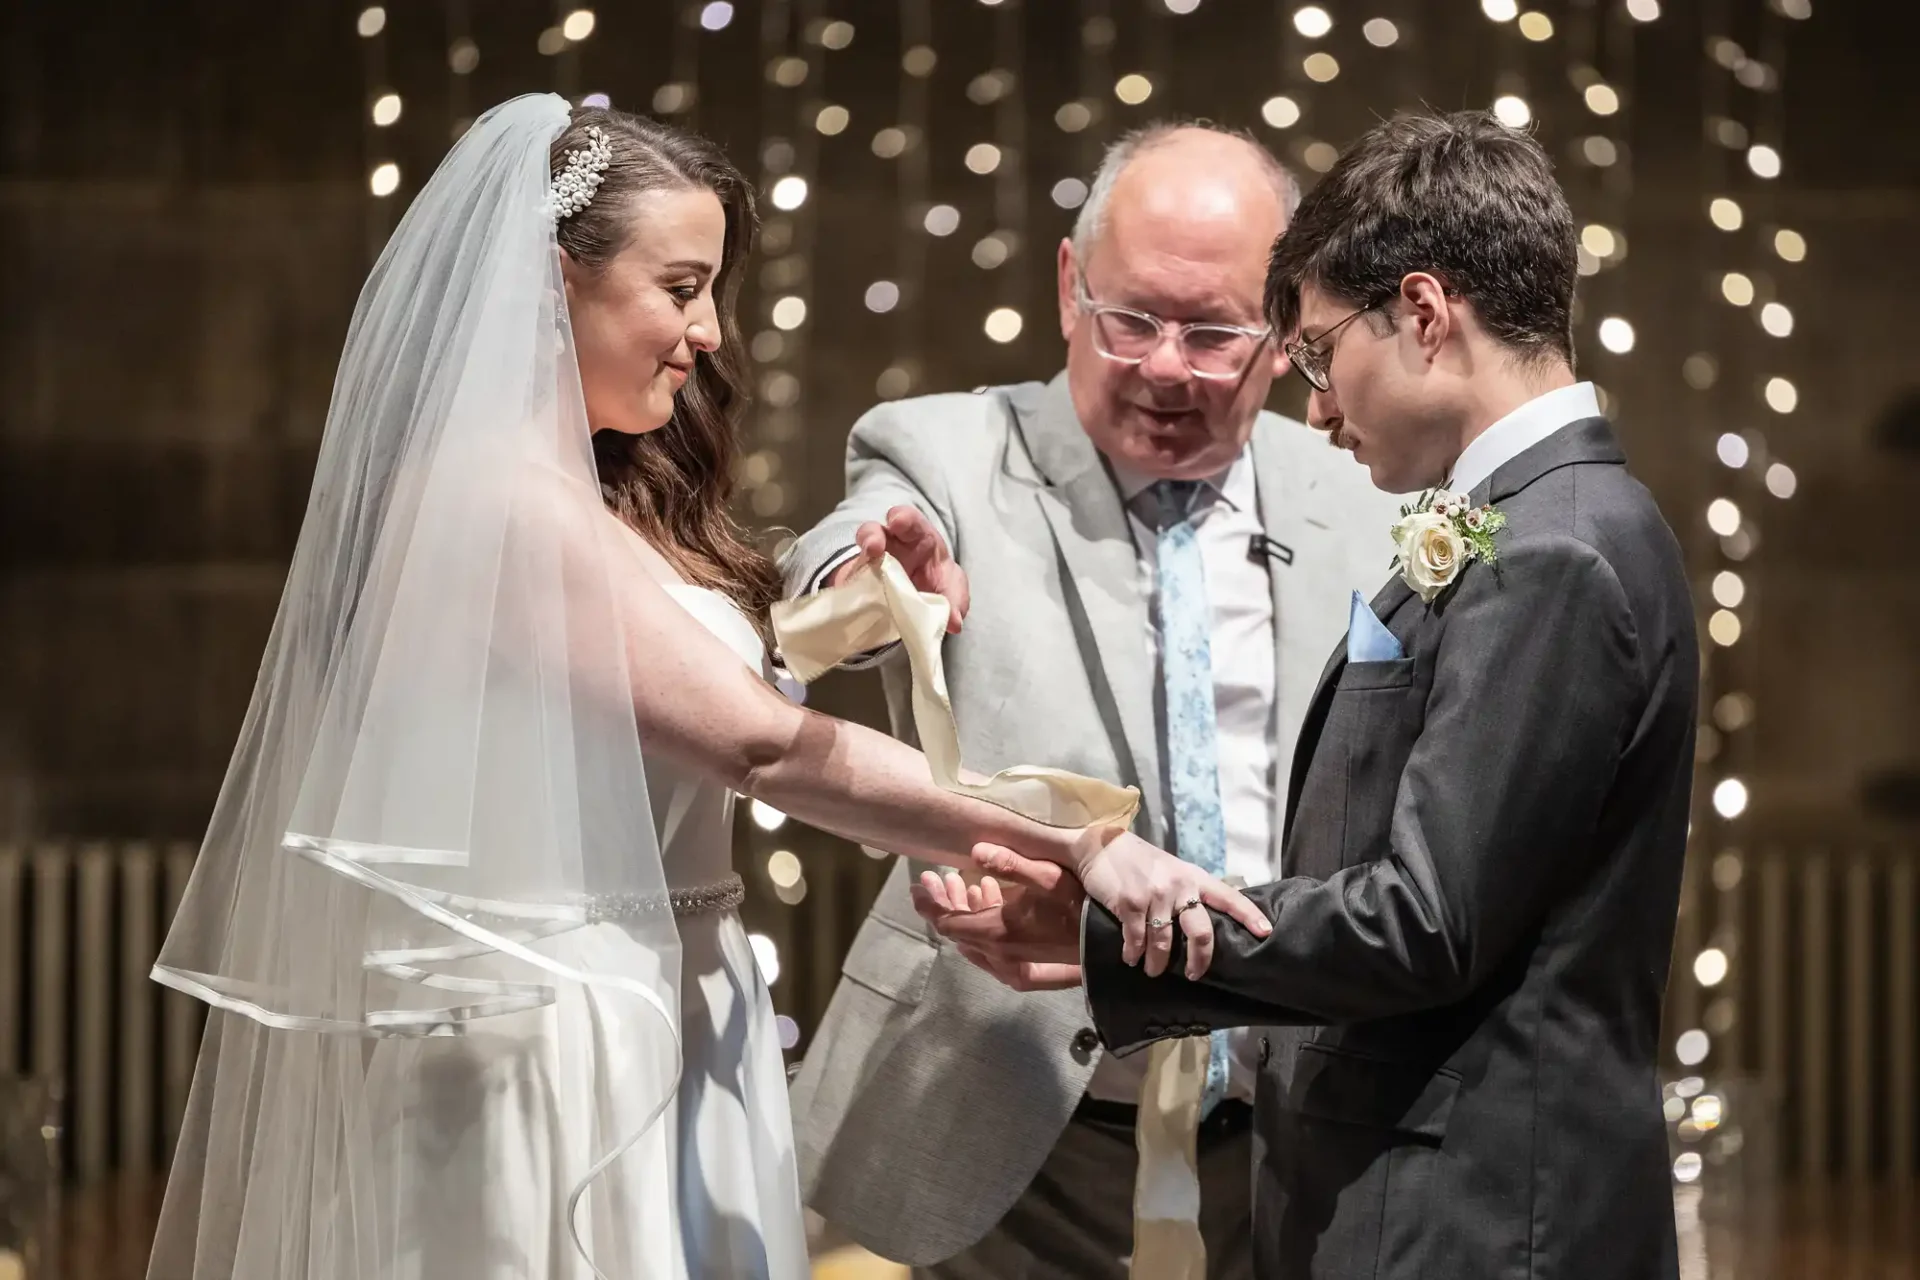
909	537
1026	936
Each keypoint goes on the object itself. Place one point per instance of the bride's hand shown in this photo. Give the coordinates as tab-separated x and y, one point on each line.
1153	893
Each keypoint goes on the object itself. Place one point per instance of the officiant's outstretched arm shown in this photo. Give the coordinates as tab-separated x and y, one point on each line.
1488	808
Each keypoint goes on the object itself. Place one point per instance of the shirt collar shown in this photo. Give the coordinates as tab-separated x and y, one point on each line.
1233	486
1519	431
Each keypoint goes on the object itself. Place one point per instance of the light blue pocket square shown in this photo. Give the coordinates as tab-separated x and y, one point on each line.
1368	639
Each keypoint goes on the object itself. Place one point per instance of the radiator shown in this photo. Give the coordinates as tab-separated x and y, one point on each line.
1822	979
81	924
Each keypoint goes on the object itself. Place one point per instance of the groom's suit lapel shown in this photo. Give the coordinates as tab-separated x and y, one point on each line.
1589	440
1082	507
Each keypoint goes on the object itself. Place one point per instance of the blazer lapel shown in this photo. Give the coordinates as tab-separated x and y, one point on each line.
1082	507
1292	513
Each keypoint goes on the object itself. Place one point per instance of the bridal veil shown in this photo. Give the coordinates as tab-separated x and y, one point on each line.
437	801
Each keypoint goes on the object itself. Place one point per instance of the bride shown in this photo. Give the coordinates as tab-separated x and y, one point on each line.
482	1006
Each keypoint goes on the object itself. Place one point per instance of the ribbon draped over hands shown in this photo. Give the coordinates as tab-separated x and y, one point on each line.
878	605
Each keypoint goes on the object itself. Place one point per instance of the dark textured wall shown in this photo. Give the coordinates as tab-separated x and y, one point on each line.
184	225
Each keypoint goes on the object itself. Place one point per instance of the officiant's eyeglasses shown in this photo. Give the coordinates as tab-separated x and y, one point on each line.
1127	336
1314	359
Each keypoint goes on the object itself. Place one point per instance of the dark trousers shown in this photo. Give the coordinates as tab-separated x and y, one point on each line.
1075	1220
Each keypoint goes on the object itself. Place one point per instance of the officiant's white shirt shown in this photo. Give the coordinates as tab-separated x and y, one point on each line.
1240	647
1520	430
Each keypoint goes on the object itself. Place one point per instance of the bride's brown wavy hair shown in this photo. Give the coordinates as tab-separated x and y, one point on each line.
673	485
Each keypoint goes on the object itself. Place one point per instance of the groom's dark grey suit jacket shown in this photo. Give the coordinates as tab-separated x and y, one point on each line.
1484	841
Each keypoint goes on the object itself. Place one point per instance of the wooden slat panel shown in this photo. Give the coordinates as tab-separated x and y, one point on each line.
139	887
1735	1044
1857	1100
93	1015
1774	1009
12	937
179	1014
1683	993
52	866
1902	1080
1815	1024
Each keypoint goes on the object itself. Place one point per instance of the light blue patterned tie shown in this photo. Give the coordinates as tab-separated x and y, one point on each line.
1193	746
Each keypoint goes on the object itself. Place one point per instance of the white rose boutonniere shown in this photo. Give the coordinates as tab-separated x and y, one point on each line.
1436	537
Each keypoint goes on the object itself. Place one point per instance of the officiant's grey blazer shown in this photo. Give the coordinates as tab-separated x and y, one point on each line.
1486	837
931	1094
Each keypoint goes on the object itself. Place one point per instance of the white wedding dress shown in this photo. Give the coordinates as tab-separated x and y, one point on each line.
736	1184
478	1012
498	1126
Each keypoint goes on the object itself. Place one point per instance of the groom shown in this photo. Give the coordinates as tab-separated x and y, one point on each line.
1489	797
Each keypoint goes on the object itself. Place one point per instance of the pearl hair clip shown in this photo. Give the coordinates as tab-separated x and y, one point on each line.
573	189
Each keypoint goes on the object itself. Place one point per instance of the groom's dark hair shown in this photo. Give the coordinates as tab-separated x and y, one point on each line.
1460	196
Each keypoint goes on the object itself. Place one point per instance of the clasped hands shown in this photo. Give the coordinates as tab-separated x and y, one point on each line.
1026	931
1021	921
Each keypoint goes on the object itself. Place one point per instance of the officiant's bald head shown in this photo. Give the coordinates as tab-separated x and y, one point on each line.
1177	225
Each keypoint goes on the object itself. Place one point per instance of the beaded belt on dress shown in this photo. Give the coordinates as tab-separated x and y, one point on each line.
701	900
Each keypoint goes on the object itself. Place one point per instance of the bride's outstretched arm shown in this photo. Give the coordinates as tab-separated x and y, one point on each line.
698	703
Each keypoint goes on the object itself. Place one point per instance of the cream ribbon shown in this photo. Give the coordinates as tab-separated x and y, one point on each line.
1166	1188
877	606
1167	1244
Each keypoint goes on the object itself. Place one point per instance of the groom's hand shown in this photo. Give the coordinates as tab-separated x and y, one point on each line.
909	537
1027	935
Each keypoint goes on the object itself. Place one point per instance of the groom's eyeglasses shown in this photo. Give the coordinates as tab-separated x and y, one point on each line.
1314	358
1127	336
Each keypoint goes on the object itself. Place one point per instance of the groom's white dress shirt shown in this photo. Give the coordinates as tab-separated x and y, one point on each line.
1241	650
1520	430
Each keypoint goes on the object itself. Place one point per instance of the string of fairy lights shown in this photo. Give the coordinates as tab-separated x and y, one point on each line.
788	159
778	349
382	112
463	56
903	144
1076	116
1602	40
1299	33
795	39
1741	141
1003	87
691	21
385	106
1706	964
